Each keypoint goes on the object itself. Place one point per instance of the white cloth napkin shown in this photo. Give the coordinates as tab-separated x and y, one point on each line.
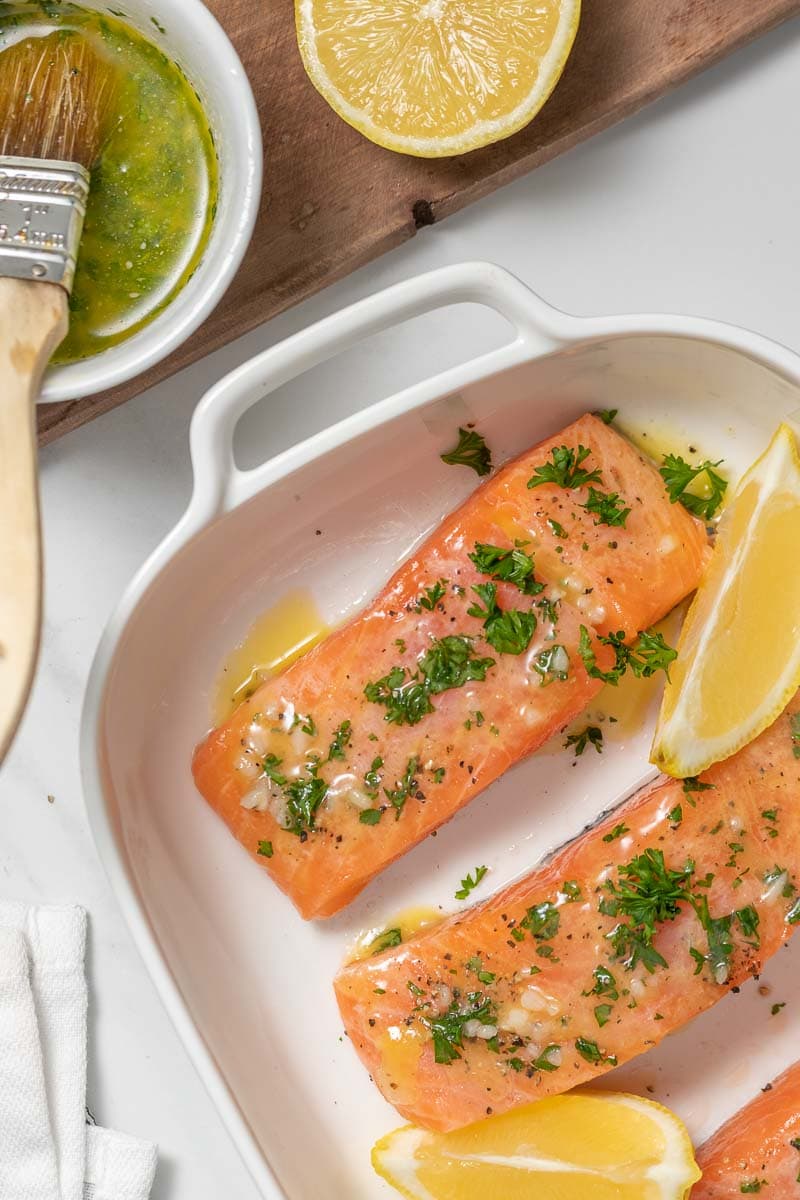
47	1152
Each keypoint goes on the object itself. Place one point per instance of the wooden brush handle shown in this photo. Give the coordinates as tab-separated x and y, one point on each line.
33	320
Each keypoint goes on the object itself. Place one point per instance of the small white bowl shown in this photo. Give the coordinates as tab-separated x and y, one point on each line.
188	33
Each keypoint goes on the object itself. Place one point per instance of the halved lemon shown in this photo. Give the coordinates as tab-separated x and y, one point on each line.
582	1146
436	77
738	661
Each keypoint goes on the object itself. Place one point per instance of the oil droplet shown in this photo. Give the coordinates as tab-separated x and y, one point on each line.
281	635
658	440
409	921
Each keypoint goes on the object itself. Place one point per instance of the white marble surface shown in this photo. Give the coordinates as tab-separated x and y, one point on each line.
691	207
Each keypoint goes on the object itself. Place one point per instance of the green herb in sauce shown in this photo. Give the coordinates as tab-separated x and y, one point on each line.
510	564
153	191
606	506
650	653
470	882
471	451
565	470
678	475
385	940
449	663
592	735
509	631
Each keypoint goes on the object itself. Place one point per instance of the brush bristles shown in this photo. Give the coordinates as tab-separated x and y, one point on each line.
56	95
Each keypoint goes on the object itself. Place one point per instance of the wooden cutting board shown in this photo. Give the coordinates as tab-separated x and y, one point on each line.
332	201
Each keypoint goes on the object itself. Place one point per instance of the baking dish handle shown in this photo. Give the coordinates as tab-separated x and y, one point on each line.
219	484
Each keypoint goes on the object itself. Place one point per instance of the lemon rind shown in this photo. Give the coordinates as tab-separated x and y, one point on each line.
481	133
673	735
393	1156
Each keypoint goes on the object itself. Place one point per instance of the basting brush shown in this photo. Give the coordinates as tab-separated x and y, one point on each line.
56	96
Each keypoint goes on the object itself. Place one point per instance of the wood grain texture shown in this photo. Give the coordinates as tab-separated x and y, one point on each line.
332	201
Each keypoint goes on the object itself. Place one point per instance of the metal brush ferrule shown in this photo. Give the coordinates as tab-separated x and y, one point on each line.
42	206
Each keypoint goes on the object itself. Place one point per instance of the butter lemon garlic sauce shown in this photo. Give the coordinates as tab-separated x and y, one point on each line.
274	641
153	190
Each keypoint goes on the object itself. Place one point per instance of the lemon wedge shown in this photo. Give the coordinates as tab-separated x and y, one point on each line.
581	1146
435	77
738	661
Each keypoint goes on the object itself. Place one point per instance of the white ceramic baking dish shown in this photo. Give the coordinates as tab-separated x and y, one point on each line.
247	983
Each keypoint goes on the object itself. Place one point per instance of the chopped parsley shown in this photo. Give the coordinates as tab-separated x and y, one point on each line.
438	774
751	1186
604	984
650	653
602	1012
607	507
776	1008
469	883
448	663
592	735
675	815
718	935
545	1060
475	964
265	849
370	816
405	699
591	1052
309	726
571	889
385	940
404	786
748	921
557	528
509	631
471	451
372	778
606	415
794	724
303	798
549	611
692	784
542	921
617	832
447	1030
432	596
511	565
270	768
565	470
340	740
648	893
678	475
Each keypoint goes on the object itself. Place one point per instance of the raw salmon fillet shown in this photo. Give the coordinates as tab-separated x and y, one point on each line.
623	936
760	1145
351	783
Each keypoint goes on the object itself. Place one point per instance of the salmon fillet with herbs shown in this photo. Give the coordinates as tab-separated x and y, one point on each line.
482	645
757	1152
622	937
